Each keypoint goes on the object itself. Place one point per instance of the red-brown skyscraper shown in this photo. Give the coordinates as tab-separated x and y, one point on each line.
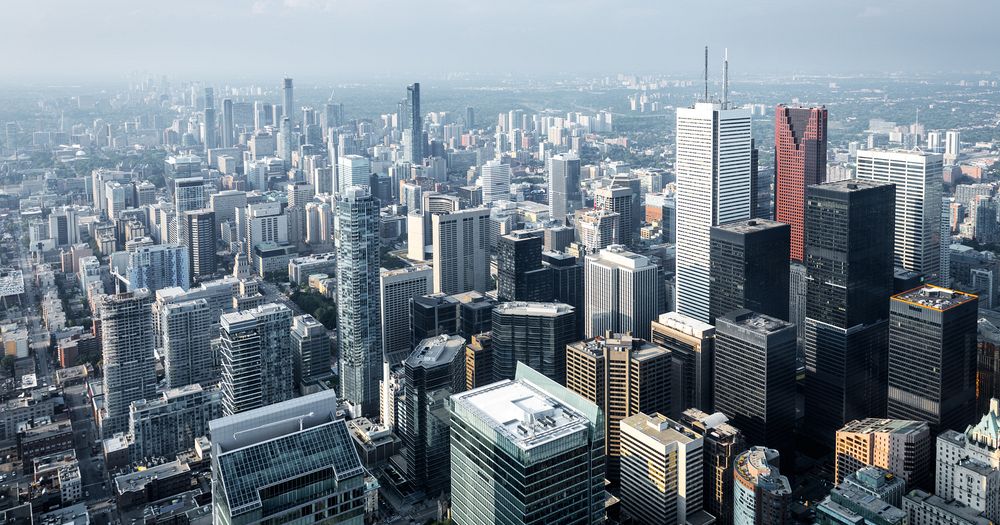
799	161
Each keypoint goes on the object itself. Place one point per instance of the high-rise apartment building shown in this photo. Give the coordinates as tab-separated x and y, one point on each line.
157	266
918	179
461	251
932	357
761	495
596	229
692	350
258	367
526	451
413	128
713	187
622	292
359	325
396	289
495	180
127	349
228	129
952	146
310	349
899	446
755	377
294	458
849	271
749	268
520	273
169	423
564	186
187	347
201	239
535	334
661	471
799	162
722	443
623	376
288	100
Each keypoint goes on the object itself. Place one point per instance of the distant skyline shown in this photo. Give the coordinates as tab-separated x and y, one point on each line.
344	40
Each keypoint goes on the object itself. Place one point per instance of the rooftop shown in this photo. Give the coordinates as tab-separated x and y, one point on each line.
686	325
137	481
438	350
755	465
755	321
934	297
892	426
536	309
660	428
752	225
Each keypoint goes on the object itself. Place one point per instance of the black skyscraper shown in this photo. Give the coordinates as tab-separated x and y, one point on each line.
749	268
566	273
520	274
849	269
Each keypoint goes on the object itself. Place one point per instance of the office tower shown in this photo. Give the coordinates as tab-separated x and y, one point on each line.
749	268
532	333
952	146
479	361
755	377
871	495
622	292
170	423
225	203
596	229
564	186
899	446
262	222
566	273
228	129
520	273
359	322
932	357
413	127
294	458
127	349
461	253
187	347
310	349
661	471
396	289
692	349
288	101
430	315
257	362
201	240
558	238
623	376
713	187
64	227
470	117
285	141
433	372
918	179
849	271
761	495
189	194
526	451
353	170
618	199
722	443
799	162
968	464
988	369
495	181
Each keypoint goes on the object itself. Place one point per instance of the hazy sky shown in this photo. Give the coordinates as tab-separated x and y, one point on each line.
355	39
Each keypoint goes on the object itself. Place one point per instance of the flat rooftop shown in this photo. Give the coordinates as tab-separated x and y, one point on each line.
934	297
438	350
538	309
526	415
751	225
755	321
659	428
869	425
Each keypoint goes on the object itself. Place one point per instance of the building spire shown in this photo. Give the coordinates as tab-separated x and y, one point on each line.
706	74
725	79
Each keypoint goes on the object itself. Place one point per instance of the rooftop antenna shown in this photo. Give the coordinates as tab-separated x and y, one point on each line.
725	79
706	74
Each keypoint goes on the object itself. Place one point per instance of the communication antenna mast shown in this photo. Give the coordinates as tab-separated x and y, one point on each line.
725	79
706	74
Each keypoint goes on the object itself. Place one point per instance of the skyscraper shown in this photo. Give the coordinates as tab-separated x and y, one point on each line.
359	324
353	170
414	125
201	240
520	274
564	186
749	268
396	289
187	345
755	377
932	357
257	362
461	250
723	442
713	187
899	446
623	376
228	129
849	271
952	146
618	199
209	119
156	266
288	102
532	333
799	162
761	495
622	292
654	443
526	451
310	349
495	181
692	349
127	348
918	179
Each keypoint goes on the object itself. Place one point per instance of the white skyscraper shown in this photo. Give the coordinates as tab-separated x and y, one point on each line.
187	345
354	170
621	293
495	178
461	251
918	179
952	145
564	186
713	187
396	288
129	364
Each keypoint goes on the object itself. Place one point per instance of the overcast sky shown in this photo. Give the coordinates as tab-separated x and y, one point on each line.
357	39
